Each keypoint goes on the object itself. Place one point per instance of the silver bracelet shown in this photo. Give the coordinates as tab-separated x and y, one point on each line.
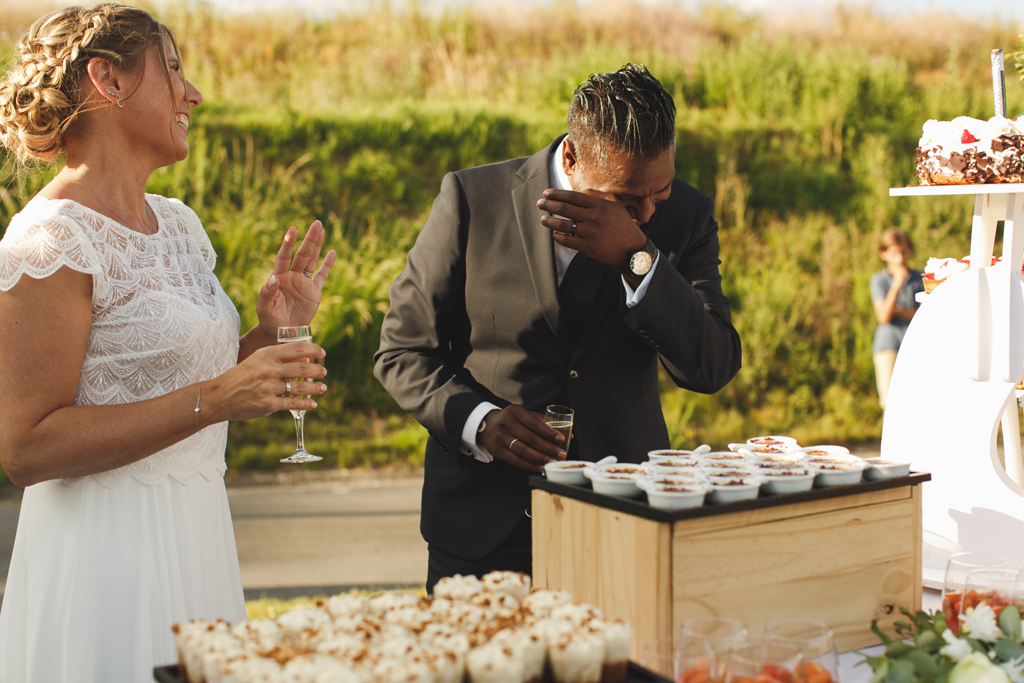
199	395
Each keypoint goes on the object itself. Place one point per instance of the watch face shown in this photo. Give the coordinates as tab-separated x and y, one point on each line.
641	263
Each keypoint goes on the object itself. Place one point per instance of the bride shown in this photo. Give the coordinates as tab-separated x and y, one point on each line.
121	359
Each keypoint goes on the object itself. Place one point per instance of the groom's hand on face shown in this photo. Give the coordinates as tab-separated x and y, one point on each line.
605	230
521	438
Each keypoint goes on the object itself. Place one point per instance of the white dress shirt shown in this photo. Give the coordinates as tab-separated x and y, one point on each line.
563	256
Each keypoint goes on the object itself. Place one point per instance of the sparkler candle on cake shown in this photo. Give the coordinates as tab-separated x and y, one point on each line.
968	151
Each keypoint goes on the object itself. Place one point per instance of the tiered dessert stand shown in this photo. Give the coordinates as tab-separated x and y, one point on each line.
954	385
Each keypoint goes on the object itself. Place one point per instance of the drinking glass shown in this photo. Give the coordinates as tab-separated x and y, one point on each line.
695	663
719	633
659	655
765	661
997	588
817	644
957	569
559	418
287	335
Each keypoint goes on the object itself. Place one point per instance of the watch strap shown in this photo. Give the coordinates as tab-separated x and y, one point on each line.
650	248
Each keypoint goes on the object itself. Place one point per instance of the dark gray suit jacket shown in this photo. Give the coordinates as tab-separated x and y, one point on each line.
475	317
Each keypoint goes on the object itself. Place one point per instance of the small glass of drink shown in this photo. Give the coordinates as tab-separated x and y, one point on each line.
559	418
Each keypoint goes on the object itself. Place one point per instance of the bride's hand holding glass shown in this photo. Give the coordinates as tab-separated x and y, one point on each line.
293	292
256	387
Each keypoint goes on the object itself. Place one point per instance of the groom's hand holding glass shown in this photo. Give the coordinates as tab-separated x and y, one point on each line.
521	438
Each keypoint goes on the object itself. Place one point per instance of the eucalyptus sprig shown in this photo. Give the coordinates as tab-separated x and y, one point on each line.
987	650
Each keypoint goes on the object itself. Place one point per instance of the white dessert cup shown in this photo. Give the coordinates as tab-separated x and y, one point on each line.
879	469
772	440
728	456
793	480
618	484
677	497
825	450
838	474
722	492
567	472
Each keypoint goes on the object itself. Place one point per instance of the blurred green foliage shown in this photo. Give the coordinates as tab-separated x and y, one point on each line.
797	131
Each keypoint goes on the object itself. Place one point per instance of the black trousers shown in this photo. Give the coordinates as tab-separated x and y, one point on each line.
514	554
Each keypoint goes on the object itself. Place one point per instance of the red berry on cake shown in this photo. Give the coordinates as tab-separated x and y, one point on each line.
967	138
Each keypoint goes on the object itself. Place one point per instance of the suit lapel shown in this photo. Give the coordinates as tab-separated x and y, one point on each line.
540	252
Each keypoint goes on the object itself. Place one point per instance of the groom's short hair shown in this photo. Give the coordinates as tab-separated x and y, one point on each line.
625	111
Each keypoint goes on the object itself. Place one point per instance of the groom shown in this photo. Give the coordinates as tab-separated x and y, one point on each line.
560	278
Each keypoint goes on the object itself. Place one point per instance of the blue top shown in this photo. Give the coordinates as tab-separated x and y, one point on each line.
889	336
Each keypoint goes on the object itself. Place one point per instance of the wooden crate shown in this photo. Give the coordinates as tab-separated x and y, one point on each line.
845	557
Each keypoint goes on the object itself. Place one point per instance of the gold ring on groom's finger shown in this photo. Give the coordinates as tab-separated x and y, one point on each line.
510	444
308	274
572	233
287	388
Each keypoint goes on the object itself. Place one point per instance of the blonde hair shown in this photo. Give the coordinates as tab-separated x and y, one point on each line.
42	95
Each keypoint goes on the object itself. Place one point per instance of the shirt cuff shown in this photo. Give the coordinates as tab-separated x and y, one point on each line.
633	298
468	445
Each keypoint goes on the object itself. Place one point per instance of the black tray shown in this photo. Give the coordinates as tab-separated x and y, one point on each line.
640	507
635	674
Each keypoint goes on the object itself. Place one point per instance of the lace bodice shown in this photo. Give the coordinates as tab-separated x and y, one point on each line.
160	319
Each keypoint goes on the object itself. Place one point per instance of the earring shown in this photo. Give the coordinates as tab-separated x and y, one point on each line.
120	102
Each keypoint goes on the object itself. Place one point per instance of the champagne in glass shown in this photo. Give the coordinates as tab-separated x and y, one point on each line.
287	335
559	418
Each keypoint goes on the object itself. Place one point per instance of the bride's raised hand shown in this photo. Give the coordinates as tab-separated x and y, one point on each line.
293	292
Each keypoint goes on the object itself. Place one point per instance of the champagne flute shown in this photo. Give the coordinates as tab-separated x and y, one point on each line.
816	642
559	418
957	569
287	335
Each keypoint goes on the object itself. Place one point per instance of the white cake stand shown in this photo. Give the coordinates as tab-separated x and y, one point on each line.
953	385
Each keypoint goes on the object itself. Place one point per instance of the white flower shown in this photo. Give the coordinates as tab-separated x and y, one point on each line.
1014	669
980	623
957	648
976	668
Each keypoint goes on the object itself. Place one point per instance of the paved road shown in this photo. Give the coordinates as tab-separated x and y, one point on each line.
316	535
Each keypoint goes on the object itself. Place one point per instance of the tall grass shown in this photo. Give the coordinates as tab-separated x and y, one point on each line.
796	129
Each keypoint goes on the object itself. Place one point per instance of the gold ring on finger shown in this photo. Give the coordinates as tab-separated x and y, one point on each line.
510	444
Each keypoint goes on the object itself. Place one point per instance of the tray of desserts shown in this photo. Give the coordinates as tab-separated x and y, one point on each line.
471	630
634	674
762	472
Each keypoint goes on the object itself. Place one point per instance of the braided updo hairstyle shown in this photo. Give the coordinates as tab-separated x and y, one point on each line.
42	94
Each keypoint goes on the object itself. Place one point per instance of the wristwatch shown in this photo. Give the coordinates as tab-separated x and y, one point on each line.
641	261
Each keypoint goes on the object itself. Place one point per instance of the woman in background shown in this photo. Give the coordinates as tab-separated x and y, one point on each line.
893	293
121	359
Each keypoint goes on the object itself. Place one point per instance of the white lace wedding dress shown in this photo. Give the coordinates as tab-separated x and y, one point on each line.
103	565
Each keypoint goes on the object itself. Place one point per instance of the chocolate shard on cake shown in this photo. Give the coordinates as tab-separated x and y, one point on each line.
967	151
